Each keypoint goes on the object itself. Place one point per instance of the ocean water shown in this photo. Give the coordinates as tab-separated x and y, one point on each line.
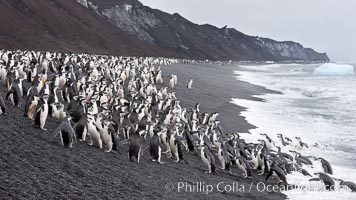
319	109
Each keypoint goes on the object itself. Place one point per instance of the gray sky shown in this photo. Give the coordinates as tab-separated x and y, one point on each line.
324	25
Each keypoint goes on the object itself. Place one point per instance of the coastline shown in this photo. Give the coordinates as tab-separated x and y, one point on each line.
213	87
297	86
35	165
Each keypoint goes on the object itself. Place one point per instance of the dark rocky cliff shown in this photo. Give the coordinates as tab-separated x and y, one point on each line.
127	27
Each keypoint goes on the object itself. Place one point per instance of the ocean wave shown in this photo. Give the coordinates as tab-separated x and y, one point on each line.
318	109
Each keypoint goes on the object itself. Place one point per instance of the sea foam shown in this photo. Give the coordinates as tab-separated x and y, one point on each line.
318	109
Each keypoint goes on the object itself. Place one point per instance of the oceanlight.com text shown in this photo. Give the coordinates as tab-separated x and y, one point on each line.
237	187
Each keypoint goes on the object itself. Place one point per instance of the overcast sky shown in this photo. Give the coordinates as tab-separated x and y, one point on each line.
324	25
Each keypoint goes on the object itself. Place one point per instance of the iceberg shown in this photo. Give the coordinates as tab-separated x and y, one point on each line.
332	69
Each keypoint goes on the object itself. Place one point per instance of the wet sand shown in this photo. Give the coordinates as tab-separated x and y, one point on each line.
34	165
213	87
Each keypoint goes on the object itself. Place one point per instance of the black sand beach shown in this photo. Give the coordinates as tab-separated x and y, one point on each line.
213	87
34	165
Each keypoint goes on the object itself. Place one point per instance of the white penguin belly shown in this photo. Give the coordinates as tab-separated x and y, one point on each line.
106	138
205	161
43	116
221	159
174	148
94	136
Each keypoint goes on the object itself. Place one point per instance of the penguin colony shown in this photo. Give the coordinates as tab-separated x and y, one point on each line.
110	101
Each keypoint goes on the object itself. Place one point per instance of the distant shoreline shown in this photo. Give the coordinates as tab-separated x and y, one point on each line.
214	87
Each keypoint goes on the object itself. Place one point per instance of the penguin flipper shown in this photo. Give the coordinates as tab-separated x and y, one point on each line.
11	91
213	168
122	142
268	175
65	127
226	155
314	179
27	107
161	145
37	118
209	155
68	128
57	130
114	142
144	149
2	105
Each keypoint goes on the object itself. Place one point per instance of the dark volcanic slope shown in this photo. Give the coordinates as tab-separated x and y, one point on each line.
35	166
127	27
189	40
64	25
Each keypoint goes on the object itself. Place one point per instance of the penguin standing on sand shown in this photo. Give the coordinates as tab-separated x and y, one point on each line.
2	106
93	133
181	145
224	158
165	140
106	137
156	147
135	145
277	172
190	84
31	107
208	159
171	81
261	159
80	128
66	133
3	74
14	94
42	113
114	139
253	158
243	165
173	143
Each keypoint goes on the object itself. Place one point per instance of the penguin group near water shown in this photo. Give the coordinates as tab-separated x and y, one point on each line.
109	101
